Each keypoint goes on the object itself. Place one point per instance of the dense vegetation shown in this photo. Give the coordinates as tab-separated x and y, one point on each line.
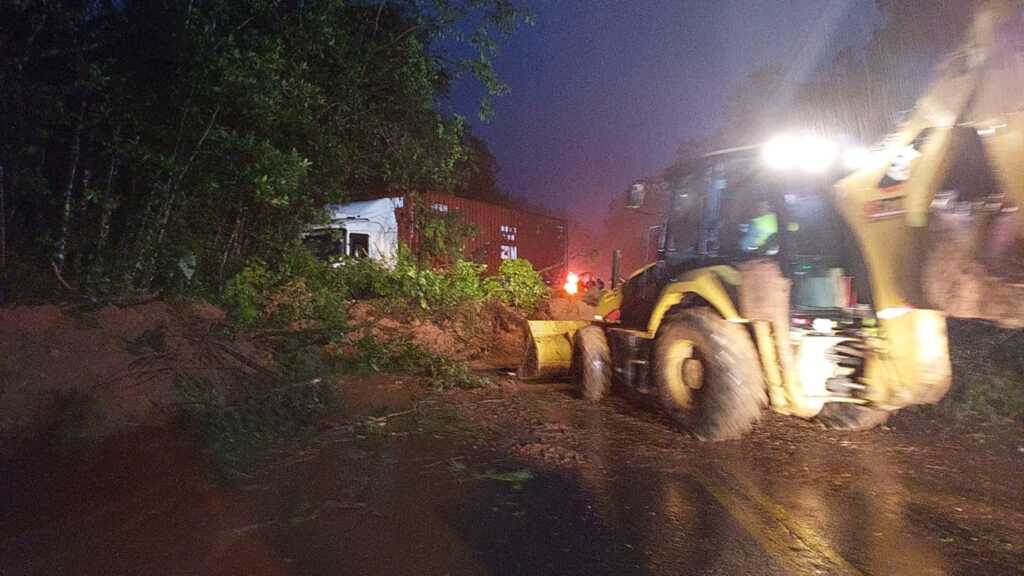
161	144
302	289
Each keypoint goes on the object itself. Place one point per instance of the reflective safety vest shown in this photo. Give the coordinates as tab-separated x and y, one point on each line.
760	230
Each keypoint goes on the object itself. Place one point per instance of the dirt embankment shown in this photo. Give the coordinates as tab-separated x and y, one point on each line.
81	373
78	373
490	336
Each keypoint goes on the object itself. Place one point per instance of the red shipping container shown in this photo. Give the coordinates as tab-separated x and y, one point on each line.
502	233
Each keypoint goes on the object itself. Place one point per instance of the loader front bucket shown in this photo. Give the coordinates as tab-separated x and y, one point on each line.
549	348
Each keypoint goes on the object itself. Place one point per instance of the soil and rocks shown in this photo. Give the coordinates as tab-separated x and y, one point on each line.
78	373
976	272
520	478
489	336
511	478
486	336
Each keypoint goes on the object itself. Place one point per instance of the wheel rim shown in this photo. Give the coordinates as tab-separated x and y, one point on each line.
693	373
684	373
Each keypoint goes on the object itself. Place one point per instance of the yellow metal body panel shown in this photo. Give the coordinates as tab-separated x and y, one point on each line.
609	302
549	349
706	283
909	363
777	392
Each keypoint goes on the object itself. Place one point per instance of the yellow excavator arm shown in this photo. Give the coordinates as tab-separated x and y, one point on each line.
977	96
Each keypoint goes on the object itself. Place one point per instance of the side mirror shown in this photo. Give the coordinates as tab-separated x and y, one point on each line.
635	195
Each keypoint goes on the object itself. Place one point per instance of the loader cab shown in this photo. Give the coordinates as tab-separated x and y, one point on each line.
728	208
724	209
731	209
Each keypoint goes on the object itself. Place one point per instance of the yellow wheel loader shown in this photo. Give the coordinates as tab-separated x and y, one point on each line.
782	284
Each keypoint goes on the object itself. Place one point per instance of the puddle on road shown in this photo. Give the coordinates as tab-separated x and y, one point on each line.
812	506
425	494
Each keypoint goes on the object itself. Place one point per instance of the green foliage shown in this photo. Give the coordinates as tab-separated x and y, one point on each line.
465	282
423	285
246	293
514	477
990	394
233	430
988	371
139	135
479	172
304	290
300	289
402	356
518	285
366	279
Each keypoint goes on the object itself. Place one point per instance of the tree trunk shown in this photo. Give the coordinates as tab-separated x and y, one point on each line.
146	264
65	217
173	186
109	203
129	239
140	242
3	240
235	232
80	229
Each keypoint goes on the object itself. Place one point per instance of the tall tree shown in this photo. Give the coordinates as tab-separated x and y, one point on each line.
477	172
215	130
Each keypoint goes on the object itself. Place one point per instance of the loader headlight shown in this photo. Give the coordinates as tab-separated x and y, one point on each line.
856	158
781	152
810	154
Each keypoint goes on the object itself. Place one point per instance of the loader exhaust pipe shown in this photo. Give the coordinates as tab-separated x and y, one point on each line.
616	268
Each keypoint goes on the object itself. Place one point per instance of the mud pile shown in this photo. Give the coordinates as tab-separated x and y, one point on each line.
974	270
78	373
488	337
85	372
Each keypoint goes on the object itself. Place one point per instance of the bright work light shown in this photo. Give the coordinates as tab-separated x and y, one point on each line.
782	152
818	155
808	153
856	158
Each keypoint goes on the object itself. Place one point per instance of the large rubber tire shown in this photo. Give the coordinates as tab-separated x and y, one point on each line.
851	417
591	364
732	395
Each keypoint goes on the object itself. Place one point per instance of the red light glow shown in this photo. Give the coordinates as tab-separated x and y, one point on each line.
571	283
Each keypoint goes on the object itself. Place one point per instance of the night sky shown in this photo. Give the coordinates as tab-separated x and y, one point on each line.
603	92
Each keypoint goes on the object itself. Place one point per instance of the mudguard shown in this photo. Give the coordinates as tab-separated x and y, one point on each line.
708	284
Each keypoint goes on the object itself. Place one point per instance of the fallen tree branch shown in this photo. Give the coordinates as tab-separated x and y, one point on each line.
129	369
60	278
238	355
386	417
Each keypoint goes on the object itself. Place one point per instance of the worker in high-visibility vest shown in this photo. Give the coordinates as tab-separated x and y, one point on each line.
760	233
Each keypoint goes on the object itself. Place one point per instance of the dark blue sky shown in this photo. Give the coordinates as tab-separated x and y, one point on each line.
604	91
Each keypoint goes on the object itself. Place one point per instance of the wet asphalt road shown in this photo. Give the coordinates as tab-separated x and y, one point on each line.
532	482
